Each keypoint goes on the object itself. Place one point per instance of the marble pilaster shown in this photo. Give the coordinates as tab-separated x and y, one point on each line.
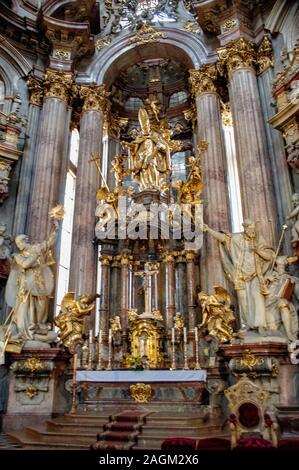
216	209
124	291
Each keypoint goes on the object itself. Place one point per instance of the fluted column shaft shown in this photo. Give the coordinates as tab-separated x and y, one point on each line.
238	58
105	293
50	149
280	170
191	289
84	253
170	291
27	169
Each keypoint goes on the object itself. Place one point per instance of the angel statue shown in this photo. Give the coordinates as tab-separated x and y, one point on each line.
115	325
70	319
150	160
218	316
30	285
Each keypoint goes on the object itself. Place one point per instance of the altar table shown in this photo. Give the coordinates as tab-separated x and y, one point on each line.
123	376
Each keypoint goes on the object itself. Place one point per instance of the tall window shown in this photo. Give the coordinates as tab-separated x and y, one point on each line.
177	98
178	164
133	104
67	225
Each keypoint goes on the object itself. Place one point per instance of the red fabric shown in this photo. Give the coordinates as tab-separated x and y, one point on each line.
249	415
288	443
253	443
182	443
213	443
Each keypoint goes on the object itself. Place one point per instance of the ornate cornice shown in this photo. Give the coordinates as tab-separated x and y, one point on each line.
237	54
95	98
36	90
58	84
202	80
264	55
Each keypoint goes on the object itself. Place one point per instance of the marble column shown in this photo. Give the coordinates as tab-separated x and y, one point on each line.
238	57
170	290
190	257
51	141
278	161
124	290
83	266
29	156
216	208
105	293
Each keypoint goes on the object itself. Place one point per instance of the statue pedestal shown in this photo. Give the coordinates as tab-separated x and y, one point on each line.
36	387
266	364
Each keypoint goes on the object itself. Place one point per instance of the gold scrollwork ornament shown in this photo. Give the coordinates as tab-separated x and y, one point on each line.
141	392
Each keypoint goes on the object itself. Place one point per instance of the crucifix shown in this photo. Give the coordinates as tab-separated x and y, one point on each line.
151	269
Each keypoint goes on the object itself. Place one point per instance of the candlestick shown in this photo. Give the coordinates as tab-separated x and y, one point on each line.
90	350
99	364
173	366
74	386
109	365
185	350
197	364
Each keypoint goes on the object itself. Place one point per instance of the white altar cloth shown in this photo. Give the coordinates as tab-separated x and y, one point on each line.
141	375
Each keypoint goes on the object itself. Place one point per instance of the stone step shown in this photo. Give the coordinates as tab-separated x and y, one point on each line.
70	427
84	418
27	441
40	433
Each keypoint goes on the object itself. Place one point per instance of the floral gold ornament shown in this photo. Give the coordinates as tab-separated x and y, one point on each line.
237	54
141	392
147	34
229	25
31	391
34	364
202	80
191	26
226	115
250	360
264	55
103	42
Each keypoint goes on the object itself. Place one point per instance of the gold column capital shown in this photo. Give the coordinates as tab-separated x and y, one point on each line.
95	98
189	255
36	90
105	260
264	55
237	54
169	256
202	80
58	84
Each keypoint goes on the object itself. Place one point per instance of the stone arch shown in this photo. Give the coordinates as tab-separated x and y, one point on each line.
178	44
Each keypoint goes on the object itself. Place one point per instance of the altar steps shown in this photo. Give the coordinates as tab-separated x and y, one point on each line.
80	431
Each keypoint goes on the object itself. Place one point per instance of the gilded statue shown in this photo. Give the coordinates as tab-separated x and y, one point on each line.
115	325
294	214
217	315
70	319
118	168
150	161
246	258
30	285
178	322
